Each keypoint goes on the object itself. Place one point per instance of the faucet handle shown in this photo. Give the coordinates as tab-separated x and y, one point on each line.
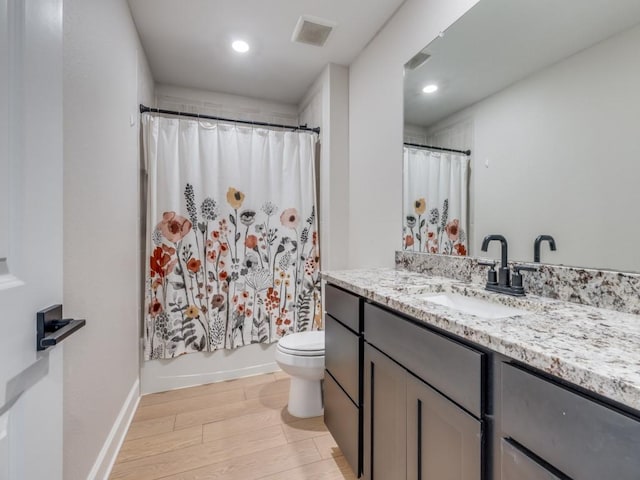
487	263
516	279
492	275
524	268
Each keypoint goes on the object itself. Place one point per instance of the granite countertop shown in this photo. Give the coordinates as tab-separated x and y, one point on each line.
594	348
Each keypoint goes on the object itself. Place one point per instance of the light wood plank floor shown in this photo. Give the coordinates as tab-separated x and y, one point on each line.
238	429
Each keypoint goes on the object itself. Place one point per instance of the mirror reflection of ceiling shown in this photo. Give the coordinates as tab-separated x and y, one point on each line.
475	62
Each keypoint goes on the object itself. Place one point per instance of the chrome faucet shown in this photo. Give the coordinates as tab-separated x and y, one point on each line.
536	246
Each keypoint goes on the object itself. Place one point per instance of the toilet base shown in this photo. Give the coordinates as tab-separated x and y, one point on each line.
305	398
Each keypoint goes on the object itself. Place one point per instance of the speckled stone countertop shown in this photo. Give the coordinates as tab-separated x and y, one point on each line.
594	348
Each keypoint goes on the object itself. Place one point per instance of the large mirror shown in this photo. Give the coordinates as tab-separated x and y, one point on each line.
546	96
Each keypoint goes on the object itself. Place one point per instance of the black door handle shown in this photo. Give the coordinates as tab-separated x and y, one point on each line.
52	328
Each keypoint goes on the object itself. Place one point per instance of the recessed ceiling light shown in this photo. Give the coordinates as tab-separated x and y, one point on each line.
430	88
240	46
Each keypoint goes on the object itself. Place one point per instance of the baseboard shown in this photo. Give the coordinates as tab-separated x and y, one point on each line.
158	383
107	456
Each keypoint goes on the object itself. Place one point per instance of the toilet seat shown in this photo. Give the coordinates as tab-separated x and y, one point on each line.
303	344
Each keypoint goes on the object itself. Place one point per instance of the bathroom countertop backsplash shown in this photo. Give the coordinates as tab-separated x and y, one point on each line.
587	286
595	348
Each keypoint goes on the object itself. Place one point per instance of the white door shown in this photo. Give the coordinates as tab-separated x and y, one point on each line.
30	236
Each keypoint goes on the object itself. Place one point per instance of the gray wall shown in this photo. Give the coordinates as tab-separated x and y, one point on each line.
105	75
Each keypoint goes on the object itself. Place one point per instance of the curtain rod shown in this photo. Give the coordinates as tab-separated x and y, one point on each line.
441	149
145	109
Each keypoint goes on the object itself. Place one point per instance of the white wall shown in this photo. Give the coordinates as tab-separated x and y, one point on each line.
225	105
414	134
376	124
326	105
562	147
199	368
104	72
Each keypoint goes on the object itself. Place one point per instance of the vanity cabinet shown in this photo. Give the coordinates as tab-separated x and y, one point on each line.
405	401
411	429
343	366
576	436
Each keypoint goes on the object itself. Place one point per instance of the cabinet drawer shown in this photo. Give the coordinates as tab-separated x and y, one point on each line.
580	437
452	368
517	465
342	419
344	306
342	356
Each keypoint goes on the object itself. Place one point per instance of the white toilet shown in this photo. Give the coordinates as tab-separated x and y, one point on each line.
301	355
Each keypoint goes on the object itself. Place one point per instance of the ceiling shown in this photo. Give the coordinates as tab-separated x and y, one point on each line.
187	42
499	42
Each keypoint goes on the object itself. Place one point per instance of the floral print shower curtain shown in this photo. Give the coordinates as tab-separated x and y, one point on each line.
435	202
232	239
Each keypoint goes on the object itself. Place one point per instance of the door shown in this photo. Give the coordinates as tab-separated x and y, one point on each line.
443	441
385	419
30	236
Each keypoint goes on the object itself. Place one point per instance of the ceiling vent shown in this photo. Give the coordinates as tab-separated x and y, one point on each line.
312	30
417	61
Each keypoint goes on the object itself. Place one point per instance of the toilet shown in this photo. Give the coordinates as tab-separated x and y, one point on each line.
301	355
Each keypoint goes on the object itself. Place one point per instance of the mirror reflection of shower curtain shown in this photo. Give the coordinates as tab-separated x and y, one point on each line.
232	243
435	202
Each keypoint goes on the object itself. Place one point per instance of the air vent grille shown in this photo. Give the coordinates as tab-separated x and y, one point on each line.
312	30
417	61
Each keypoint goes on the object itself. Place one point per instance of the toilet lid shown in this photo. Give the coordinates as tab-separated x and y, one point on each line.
303	343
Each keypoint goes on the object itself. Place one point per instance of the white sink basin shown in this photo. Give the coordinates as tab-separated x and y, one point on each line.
474	306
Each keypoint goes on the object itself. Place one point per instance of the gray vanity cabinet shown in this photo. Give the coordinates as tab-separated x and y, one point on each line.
385	417
342	380
411	430
407	402
576	436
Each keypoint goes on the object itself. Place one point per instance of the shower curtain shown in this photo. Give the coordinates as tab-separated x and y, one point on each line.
232	242
435	201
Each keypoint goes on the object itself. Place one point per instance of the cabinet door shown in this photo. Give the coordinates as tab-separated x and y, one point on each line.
515	464
443	441
385	419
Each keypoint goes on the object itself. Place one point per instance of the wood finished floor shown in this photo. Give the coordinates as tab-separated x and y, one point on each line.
239	429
